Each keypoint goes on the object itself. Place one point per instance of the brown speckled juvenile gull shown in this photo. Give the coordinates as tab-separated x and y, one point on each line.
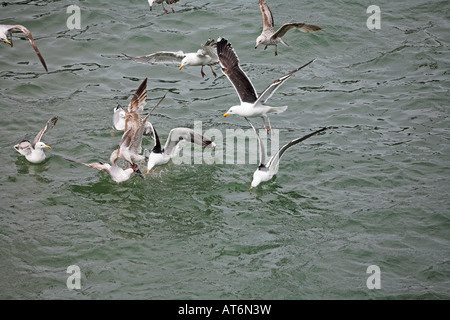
271	38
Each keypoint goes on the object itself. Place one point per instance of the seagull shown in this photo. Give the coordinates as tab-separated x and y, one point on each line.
6	36
34	152
116	173
206	56
270	37
169	2
160	156
266	171
251	105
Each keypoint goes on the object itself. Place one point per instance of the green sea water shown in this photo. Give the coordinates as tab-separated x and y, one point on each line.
372	190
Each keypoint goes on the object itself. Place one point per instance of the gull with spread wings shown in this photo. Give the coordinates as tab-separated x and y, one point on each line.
266	171
206	56
6	36
162	155
34	152
251	105
271	37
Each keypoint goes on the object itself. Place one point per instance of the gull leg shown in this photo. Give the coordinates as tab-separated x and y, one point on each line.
203	74
172	9
270	126
212	70
265	47
264	122
276	52
165	10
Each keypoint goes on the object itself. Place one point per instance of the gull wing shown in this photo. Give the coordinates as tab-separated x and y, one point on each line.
229	62
49	125
138	100
210	48
30	37
96	165
135	145
262	151
267	16
270	90
304	27
159	57
24	147
186	134
275	159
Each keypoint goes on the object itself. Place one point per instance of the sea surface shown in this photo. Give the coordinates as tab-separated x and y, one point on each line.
372	190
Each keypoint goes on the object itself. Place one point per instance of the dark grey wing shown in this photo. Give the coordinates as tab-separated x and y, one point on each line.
159	57
304	27
270	90
267	16
262	151
229	62
49	125
178	134
275	159
30	37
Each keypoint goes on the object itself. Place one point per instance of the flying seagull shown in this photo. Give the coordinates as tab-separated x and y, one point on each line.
34	152
206	56
272	38
6	36
251	105
266	171
160	155
169	2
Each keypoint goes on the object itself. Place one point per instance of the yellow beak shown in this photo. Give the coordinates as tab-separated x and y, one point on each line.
226	115
148	171
181	67
250	188
9	42
48	147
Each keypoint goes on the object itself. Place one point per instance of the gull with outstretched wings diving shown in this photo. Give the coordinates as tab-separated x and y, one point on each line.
266	170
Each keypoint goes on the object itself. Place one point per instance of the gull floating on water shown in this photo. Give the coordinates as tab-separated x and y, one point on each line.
6	36
206	56
272	38
116	173
169	2
251	105
266	171
34	152
160	156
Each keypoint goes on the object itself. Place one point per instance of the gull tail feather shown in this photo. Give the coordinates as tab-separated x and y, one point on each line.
278	109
